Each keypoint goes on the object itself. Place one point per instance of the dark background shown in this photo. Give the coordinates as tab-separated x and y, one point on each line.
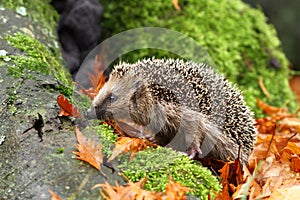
285	16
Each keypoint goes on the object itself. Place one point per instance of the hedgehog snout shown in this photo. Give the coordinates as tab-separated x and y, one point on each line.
90	113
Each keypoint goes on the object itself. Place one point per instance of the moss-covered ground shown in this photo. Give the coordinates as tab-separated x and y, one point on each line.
158	165
239	39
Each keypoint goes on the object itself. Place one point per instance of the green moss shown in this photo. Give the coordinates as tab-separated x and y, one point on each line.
60	150
38	10
37	57
158	164
106	135
236	36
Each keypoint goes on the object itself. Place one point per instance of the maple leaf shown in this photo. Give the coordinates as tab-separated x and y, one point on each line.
53	195
66	108
127	144
88	150
269	109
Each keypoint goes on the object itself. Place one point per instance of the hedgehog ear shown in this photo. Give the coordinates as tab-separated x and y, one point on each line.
137	85
138	91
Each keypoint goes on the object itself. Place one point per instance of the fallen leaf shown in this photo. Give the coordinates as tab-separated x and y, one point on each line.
288	193
53	195
269	109
224	176
135	191
66	108
127	144
130	191
175	191
88	150
97	78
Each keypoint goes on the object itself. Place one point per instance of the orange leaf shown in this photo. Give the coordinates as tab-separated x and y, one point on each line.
97	78
53	195
176	5
127	144
292	192
88	151
175	190
131	191
66	108
224	172
269	109
224	195
295	163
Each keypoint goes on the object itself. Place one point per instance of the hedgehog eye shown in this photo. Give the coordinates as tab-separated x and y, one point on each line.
112	98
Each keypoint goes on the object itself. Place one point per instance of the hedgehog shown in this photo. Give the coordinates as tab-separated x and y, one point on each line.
184	105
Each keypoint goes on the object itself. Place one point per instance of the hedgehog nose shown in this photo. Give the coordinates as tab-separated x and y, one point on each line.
90	113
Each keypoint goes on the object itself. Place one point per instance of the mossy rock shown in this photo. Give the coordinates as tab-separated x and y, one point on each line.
241	43
30	27
31	58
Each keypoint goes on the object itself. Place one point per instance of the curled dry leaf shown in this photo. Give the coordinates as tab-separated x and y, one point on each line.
269	109
66	108
127	144
88	150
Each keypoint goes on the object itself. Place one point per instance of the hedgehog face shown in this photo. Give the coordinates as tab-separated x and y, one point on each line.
121	98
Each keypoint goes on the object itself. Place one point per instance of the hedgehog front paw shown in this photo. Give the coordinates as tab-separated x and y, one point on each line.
194	152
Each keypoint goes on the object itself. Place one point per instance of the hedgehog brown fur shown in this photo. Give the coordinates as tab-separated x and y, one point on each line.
187	106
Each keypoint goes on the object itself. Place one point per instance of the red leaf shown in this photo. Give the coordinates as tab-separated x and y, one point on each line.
88	150
66	108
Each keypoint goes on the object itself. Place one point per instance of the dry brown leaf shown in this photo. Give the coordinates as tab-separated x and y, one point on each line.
224	195
224	175
295	163
225	172
53	195
291	123
269	109
275	159
97	78
127	144
66	108
135	191
287	193
130	191
88	150
175	191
